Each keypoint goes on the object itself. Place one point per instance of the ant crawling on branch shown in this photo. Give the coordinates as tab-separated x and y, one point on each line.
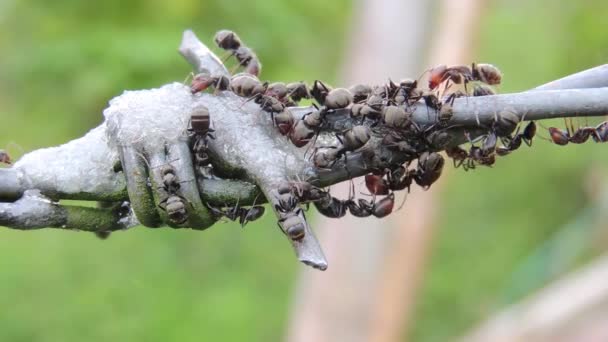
243	215
246	58
512	143
202	81
580	135
484	154
200	131
352	140
463	74
173	204
335	208
381	116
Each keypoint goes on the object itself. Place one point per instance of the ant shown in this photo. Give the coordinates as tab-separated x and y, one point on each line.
397	178
484	154
173	204
407	92
486	73
400	178
202	81
601	132
243	215
361	208
298	91
460	157
246	85
227	40
292	224
353	139
248	59
483	90
429	169
376	184
364	208
306	129
334	208
457	74
463	74
301	134
230	41
360	92
338	98
200	122
319	91
396	117
303	190
175	207
284	121
200	130
5	158
330	206
578	136
268	103
273	98
514	142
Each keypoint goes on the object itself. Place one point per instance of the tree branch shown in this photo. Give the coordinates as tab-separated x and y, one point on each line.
145	130
34	211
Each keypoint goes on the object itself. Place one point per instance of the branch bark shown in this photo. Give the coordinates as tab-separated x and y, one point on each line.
248	150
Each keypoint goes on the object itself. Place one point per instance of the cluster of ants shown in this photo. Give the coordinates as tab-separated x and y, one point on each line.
378	114
200	132
372	109
380	120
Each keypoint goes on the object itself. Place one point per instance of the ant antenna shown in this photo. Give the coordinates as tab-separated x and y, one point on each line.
546	129
403	202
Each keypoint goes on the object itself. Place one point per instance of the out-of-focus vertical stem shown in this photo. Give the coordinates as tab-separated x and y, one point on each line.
335	305
406	257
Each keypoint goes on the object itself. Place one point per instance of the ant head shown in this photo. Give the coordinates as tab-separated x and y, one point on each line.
167	169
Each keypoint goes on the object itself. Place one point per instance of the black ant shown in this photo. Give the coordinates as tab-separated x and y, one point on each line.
202	81
243	215
578	136
512	143
230	41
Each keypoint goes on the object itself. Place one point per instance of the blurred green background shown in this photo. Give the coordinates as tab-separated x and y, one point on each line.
63	60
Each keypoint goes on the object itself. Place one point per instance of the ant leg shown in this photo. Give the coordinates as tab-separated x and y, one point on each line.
190	75
163	204
244	220
216	86
546	129
314	141
228	55
346	167
403	202
447	85
253	97
569	128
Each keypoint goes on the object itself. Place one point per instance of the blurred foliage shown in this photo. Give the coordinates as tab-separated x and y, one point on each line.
491	219
64	59
61	62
